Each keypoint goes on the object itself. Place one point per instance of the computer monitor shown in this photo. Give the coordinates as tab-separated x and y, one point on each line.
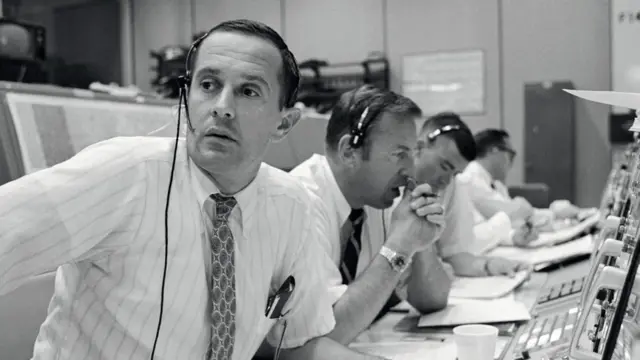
22	41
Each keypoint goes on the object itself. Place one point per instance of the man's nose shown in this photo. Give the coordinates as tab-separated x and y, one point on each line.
224	107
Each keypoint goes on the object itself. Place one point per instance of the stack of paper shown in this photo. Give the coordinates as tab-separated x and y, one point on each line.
472	311
409	350
543	255
566	234
419	350
490	287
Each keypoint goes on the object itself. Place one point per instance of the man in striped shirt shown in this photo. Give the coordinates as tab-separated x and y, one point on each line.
235	228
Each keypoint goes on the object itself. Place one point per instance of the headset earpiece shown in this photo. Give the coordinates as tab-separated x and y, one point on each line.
357	133
183	82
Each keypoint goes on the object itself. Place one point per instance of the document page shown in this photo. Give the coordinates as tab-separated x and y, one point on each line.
489	287
409	350
542	255
472	311
566	234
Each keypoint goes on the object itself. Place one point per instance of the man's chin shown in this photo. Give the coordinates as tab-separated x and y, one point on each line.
212	160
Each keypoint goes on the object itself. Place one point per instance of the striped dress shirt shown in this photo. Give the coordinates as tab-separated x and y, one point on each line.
99	219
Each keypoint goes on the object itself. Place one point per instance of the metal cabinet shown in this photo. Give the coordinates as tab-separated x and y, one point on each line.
549	151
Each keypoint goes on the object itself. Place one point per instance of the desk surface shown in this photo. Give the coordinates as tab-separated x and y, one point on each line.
400	327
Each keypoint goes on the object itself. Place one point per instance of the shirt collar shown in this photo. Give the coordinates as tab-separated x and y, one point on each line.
205	187
342	205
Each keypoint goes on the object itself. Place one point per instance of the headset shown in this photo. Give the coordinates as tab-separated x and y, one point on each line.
443	130
359	129
184	83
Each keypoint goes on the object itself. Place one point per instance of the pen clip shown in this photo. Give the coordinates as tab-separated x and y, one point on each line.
276	303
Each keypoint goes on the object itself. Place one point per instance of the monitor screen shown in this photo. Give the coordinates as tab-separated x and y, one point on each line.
15	41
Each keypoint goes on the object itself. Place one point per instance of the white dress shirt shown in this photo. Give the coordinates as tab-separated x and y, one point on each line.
483	188
491	230
316	174
482	192
457	236
99	218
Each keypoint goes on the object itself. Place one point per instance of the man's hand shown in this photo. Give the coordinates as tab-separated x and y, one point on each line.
563	209
417	221
521	209
496	266
524	234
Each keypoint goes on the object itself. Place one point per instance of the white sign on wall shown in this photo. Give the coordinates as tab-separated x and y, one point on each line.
625	47
445	81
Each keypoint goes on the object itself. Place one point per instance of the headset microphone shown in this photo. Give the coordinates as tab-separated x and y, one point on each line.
182	99
183	82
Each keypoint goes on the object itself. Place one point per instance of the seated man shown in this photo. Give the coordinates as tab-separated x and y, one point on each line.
133	221
488	233
494	231
445	147
486	176
369	142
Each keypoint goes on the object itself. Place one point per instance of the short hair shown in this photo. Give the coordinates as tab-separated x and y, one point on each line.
290	74
488	139
462	137
350	106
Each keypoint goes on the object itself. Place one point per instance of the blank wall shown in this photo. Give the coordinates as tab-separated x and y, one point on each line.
559	40
523	40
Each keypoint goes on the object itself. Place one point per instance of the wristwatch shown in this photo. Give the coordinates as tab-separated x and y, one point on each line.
398	262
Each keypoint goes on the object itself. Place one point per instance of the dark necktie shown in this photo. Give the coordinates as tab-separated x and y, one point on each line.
223	282
351	253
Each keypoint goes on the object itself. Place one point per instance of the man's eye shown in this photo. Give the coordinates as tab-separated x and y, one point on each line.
207	85
247	91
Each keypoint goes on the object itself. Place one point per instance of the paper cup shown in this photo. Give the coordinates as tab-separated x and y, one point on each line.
475	342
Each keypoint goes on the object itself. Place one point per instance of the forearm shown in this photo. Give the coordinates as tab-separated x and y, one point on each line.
358	306
324	348
490	207
61	214
466	264
429	283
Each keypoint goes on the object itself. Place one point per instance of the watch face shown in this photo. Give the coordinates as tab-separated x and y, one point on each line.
400	262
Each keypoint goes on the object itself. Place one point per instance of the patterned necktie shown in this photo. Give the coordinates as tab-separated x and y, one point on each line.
223	282
351	253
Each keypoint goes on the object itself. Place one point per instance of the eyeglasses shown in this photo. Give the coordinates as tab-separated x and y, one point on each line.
512	153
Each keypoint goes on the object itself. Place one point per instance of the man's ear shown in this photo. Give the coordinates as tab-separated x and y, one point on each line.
347	154
290	118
